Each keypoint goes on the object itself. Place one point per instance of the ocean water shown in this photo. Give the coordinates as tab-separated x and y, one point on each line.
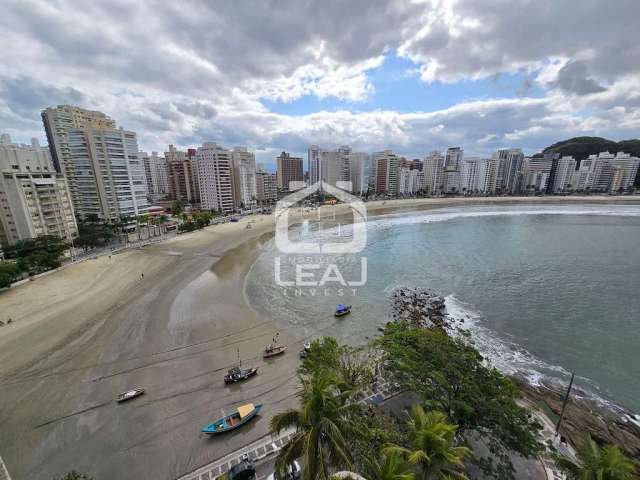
545	290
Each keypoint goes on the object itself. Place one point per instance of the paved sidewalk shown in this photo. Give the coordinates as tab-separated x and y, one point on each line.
270	445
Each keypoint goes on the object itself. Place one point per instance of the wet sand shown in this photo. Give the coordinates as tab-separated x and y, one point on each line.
91	330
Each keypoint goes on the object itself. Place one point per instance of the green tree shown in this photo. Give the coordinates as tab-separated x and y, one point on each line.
324	424
433	450
452	377
352	365
391	465
177	207
598	463
38	254
9	273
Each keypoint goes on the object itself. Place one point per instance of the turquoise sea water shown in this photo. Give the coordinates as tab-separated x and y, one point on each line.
545	290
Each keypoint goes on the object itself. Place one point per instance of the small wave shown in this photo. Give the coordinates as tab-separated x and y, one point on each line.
445	214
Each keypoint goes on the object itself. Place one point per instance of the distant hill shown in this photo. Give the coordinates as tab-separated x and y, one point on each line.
581	147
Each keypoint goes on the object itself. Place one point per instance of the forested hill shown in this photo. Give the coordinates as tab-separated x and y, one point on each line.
582	147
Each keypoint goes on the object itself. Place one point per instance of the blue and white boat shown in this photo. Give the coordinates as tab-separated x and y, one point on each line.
342	310
233	420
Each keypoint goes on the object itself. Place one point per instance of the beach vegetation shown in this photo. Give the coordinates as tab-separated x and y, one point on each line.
36	255
324	423
433	451
597	462
452	377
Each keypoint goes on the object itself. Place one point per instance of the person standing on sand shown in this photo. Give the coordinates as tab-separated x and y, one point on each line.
142	276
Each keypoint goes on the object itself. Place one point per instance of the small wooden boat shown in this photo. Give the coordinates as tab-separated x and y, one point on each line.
342	310
237	374
130	394
233	420
272	349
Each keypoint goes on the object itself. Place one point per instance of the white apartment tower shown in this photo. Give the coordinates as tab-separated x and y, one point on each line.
360	172
108	177
313	164
215	176
565	168
155	169
34	198
244	167
433	168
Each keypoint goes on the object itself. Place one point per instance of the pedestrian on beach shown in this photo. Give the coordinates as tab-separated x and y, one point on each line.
142	275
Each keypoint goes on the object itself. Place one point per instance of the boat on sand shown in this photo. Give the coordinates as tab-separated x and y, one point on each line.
233	420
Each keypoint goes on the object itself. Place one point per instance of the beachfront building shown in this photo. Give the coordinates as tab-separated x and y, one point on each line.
34	198
475	175
360	172
386	164
182	175
266	187
334	165
613	173
313	164
155	170
536	172
433	168
563	174
244	169
215	177
289	169
108	177
509	170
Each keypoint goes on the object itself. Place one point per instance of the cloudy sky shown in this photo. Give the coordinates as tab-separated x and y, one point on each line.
410	76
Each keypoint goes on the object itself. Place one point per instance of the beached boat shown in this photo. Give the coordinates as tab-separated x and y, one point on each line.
342	310
237	374
272	349
233	420
130	394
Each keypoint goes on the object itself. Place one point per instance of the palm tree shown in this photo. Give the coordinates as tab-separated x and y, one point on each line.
598	463
391	466
434	453
323	428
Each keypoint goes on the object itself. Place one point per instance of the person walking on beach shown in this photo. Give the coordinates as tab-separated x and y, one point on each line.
142	276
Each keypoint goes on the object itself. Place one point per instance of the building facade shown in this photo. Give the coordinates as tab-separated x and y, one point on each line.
109	179
386	165
182	175
215	176
34	198
289	169
244	166
155	169
266	187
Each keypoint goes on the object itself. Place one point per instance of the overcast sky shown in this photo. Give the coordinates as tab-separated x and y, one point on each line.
410	76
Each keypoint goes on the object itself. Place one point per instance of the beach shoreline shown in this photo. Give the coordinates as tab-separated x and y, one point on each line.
82	334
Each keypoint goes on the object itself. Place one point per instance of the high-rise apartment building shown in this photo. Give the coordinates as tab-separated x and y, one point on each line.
266	186
360	172
313	164
433	168
564	169
108	177
58	121
509	170
475	175
34	198
215	176
155	170
244	166
536	172
386	165
182	175
289	169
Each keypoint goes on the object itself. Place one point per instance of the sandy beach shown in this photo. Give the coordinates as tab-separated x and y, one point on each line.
91	330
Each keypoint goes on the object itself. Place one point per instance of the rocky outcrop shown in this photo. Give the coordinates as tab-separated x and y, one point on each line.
422	308
583	416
